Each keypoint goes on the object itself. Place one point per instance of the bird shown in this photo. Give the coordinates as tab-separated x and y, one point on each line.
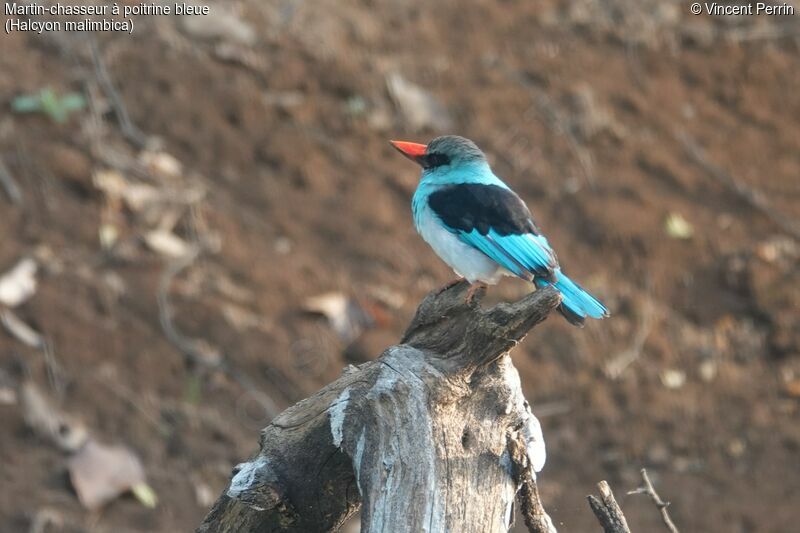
481	228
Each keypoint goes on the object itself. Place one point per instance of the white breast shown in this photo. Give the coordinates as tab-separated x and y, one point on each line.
465	260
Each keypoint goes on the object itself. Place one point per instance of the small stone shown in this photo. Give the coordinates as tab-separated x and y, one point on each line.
673	379
283	245
736	448
708	370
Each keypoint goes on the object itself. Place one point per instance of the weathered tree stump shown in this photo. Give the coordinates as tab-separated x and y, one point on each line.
434	435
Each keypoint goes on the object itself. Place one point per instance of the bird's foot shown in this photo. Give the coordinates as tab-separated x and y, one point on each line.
473	291
450	285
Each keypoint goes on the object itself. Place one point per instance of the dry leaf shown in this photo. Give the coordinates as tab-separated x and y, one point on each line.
168	244
110	182
678	227
792	388
49	422
420	109
109	234
145	494
20	330
736	448
779	249
243	319
224	25
673	379
389	297
136	196
18	284
345	315
161	163
204	495
708	370
100	473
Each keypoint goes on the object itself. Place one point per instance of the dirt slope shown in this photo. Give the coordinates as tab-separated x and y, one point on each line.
606	119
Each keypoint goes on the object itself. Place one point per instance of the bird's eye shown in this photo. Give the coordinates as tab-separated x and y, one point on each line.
436	159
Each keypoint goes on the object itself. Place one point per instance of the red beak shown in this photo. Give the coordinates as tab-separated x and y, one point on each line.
413	151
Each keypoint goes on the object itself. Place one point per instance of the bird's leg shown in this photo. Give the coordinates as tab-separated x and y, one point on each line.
450	285
473	290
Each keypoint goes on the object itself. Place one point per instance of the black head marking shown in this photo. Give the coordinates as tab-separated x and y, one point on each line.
434	159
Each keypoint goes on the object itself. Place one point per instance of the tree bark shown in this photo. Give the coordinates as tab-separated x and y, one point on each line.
434	435
608	511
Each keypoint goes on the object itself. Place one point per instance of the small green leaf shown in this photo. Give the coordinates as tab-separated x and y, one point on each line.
73	102
26	103
46	101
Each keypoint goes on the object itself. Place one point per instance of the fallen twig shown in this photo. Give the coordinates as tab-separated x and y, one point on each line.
607	510
617	365
773	32
129	129
198	351
94	124
110	381
48	421
44	518
661	504
195	350
9	184
21	330
555	120
24	333
754	197
55	374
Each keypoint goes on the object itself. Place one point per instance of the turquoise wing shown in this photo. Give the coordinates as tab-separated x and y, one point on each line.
525	255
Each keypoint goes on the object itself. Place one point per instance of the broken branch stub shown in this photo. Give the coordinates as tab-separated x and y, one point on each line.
607	510
433	435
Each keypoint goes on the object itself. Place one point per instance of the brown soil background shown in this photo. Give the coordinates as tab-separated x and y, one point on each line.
589	111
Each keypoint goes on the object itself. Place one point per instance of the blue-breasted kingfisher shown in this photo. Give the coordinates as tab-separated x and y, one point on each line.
480	227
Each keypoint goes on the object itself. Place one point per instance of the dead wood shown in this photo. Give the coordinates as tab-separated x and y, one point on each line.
434	435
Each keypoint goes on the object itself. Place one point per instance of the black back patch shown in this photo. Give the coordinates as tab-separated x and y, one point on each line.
470	206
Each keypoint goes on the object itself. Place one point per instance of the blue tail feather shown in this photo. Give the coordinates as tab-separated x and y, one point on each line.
576	303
